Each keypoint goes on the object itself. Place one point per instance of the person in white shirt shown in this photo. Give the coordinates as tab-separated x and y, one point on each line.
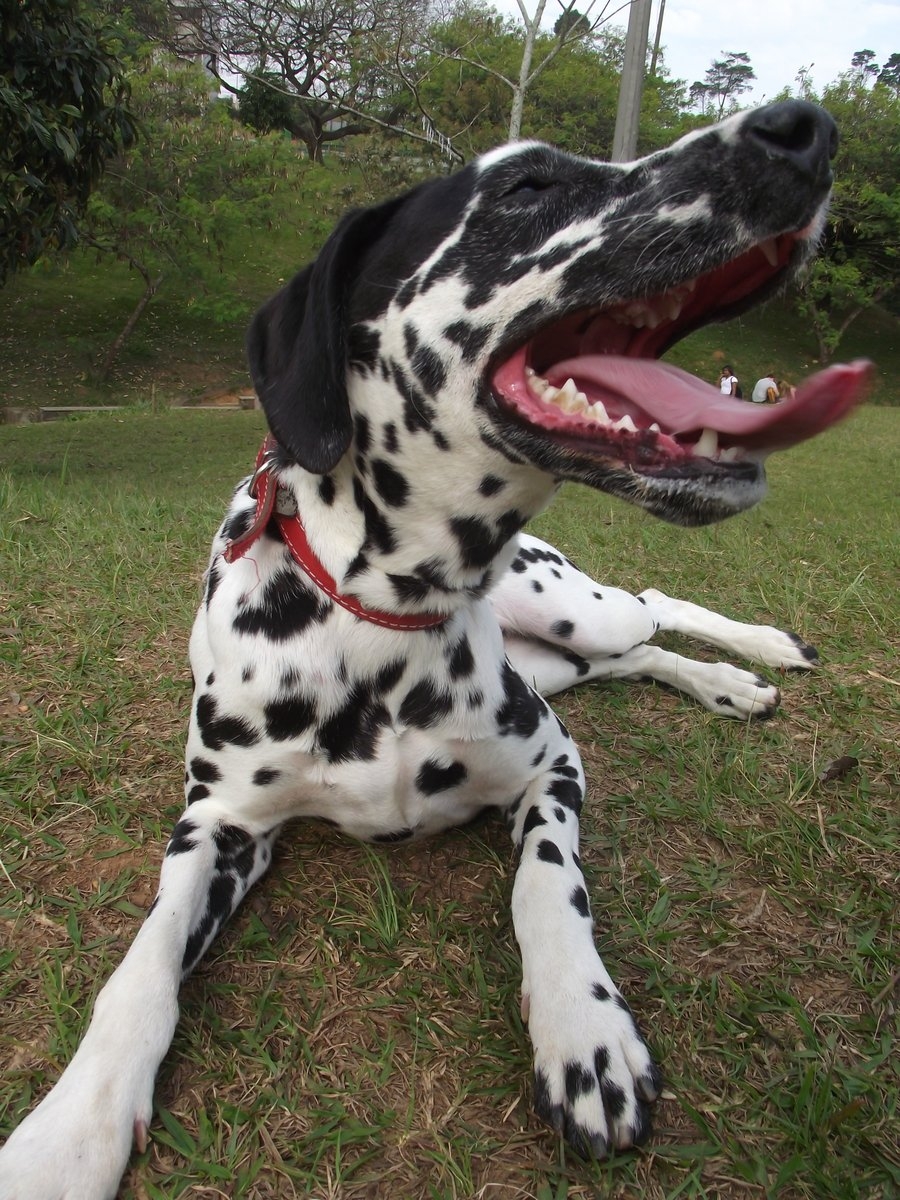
765	390
728	383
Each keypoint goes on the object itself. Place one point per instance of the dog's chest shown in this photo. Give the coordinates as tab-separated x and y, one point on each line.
387	735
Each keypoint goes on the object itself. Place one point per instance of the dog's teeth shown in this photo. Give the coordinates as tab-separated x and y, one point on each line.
732	454
626	424
707	444
770	251
599	413
654	428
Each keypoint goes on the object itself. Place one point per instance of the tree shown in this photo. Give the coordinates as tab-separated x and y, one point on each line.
863	62
889	76
860	261
63	114
264	105
536	54
728	77
337	59
193	181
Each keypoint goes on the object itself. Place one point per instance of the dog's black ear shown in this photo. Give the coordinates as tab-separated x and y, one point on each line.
297	346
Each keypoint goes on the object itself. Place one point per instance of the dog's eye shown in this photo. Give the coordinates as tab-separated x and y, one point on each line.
529	186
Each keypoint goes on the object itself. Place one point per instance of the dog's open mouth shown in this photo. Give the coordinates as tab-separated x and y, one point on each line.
592	383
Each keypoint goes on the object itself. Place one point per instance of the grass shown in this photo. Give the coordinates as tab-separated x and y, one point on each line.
355	1032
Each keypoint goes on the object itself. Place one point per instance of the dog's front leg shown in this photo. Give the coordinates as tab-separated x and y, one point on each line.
76	1143
593	1073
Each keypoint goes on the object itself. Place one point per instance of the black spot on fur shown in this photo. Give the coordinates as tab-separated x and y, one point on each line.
327	490
264	776
562	629
520	712
462	661
238	523
217	731
568	793
491	485
581	665
478	542
247	674
613	1098
389	483
205	771
418	414
236	853
548	851
181	840
198	792
532	820
212	582
600	992
429	369
379	532
363	434
286	608
470	338
579	901
425	705
390	441
536	586
353	731
288	717
534	554
434	778
579	1081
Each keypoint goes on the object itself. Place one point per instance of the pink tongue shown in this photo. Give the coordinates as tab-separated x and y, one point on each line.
681	403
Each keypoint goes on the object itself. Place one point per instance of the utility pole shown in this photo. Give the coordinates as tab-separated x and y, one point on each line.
629	110
654	57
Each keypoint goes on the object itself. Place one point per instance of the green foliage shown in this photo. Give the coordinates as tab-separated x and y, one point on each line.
572	103
63	114
860	265
195	179
263	105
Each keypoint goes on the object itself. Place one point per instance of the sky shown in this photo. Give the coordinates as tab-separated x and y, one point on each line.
781	36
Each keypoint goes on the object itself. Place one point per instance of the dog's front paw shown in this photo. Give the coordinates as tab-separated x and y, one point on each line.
75	1145
594	1077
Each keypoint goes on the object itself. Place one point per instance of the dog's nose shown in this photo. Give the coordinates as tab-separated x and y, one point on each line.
797	131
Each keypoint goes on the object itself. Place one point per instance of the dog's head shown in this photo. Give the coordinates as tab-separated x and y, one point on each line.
525	301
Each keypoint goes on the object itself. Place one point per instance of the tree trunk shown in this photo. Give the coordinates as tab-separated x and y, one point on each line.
532	25
150	289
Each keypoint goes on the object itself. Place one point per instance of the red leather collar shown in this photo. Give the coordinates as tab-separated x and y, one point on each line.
264	489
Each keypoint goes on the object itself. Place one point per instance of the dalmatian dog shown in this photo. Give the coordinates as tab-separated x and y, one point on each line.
447	361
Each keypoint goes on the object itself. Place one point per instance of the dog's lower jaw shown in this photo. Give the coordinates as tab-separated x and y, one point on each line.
682	496
703	501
